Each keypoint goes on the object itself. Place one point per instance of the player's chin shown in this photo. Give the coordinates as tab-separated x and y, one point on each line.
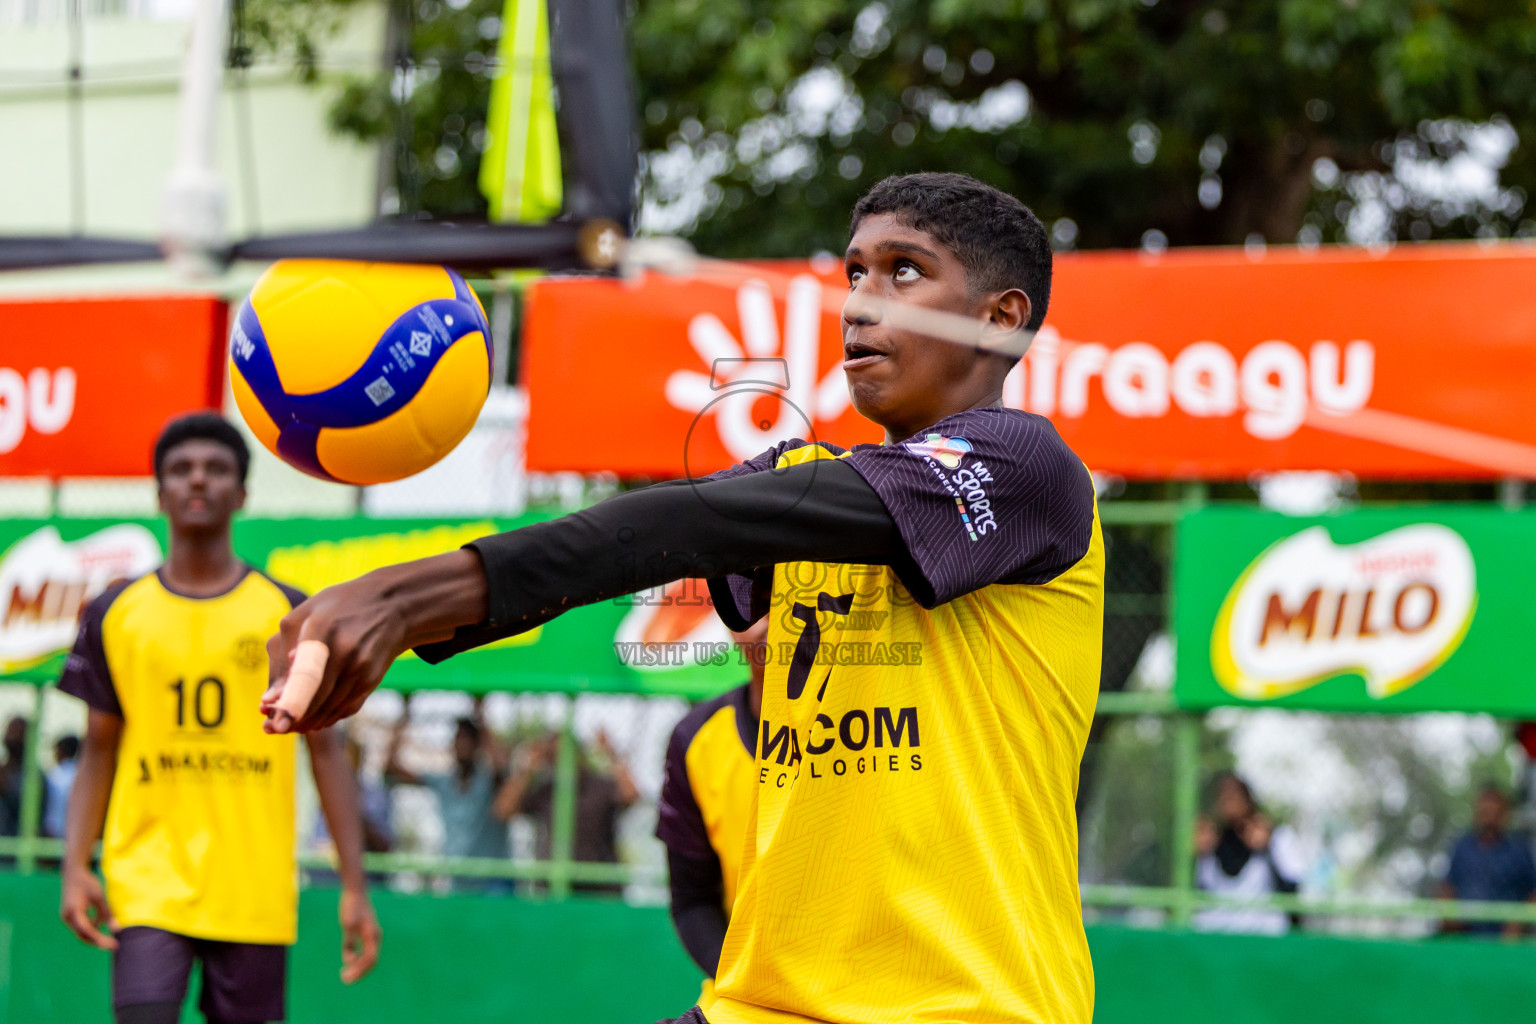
883	401
872	395
201	516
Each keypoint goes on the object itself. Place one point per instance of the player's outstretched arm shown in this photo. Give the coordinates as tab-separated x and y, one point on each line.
511	582
83	906
337	788
365	624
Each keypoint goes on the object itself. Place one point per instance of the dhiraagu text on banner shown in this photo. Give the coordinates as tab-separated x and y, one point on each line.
1393	609
667	641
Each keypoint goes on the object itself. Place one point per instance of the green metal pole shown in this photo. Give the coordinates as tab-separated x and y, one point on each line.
1186	808
1186	742
563	827
31	788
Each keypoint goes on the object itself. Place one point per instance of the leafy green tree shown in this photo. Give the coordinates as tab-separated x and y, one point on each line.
1121	122
1210	122
292	29
426	105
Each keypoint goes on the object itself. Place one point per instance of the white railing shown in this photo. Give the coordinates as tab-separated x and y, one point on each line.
17	13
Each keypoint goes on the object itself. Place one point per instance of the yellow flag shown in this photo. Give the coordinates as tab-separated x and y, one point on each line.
520	172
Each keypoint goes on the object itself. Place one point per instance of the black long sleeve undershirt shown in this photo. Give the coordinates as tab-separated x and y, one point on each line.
698	908
820	511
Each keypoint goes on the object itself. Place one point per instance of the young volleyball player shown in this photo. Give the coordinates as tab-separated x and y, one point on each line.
913	852
197	803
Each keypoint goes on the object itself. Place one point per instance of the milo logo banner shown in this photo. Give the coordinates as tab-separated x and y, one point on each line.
46	581
669	641
1401	609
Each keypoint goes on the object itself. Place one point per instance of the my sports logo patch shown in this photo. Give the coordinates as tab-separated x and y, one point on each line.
946	451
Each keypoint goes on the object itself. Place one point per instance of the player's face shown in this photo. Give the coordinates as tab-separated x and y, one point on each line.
901	380
200	485
1491	813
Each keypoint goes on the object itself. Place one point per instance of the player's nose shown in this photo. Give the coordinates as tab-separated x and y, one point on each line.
860	309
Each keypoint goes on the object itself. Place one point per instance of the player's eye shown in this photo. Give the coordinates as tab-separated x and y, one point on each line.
855	275
906	271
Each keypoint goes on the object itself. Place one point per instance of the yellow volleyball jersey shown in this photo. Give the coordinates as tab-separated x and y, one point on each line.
914	852
709	784
199	836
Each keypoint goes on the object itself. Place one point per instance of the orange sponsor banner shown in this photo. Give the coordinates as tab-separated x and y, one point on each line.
86	384
1419	362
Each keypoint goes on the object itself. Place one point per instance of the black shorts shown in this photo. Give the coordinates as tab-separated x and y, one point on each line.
242	981
693	1016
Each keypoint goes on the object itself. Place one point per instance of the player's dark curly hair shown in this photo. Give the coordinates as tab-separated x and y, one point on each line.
999	240
201	426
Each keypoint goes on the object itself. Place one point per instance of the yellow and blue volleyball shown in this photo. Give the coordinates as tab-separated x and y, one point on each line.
360	373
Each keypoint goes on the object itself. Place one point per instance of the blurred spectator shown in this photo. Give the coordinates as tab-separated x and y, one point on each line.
1490	863
60	780
11	776
1239	852
603	791
464	795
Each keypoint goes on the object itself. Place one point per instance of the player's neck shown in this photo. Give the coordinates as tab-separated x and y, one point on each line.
202	563
989	397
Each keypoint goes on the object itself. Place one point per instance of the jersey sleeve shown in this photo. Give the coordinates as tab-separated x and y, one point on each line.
741	599
765	461
986	496
679	822
86	672
294	595
819	510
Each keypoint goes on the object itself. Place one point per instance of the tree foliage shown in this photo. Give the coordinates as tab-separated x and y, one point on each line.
1122	122
1207	122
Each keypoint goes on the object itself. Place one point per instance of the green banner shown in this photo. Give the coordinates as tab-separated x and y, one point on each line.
1391	609
669	642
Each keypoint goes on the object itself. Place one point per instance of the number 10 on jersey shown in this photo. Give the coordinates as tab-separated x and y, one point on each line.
206	699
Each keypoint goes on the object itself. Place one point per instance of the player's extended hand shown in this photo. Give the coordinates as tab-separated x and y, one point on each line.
364	625
360	935
363	633
84	908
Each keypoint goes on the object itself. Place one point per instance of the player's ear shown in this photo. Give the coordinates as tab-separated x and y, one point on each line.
1010	310
1007	316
